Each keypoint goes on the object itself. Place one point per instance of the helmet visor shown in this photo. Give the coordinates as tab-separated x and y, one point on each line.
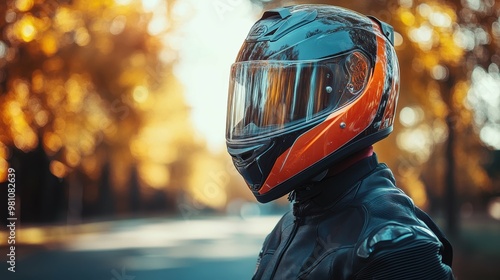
273	97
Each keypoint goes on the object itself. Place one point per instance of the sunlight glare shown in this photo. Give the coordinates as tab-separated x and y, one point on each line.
464	38
140	94
490	135
406	3
417	141
410	116
421	34
494	208
118	25
439	72
150	5
24	5
27	30
484	98
123	2
157	25
439	19
424	10
3	49
211	39
473	4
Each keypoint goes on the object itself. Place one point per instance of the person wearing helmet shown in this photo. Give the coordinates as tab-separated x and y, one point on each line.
312	88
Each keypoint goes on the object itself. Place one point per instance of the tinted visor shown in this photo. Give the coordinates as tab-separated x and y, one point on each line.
272	97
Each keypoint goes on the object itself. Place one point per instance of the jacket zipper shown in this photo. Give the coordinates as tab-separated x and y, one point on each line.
296	224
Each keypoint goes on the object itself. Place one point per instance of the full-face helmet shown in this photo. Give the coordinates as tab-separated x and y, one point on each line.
311	85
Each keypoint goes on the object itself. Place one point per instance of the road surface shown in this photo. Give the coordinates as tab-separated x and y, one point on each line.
142	249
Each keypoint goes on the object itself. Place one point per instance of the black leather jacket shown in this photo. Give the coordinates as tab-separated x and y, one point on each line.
355	225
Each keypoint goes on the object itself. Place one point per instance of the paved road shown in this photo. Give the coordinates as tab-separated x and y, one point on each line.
211	248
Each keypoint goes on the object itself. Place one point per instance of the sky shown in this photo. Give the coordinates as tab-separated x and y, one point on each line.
210	39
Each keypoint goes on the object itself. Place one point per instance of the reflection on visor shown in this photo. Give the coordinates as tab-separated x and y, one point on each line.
268	97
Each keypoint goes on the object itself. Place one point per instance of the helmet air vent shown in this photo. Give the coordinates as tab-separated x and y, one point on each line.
281	12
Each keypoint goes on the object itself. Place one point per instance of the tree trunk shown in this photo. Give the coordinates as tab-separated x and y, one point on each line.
451	212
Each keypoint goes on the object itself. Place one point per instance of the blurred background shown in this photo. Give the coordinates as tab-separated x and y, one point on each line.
112	114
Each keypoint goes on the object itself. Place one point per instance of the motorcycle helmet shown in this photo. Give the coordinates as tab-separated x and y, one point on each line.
311	85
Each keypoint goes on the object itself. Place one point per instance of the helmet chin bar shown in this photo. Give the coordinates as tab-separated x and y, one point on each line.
247	160
254	160
308	173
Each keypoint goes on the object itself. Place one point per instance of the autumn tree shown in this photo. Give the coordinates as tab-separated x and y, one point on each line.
87	93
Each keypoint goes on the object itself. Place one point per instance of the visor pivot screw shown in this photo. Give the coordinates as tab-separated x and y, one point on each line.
342	125
329	89
350	87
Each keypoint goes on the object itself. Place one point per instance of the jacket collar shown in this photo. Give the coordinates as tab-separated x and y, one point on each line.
314	198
